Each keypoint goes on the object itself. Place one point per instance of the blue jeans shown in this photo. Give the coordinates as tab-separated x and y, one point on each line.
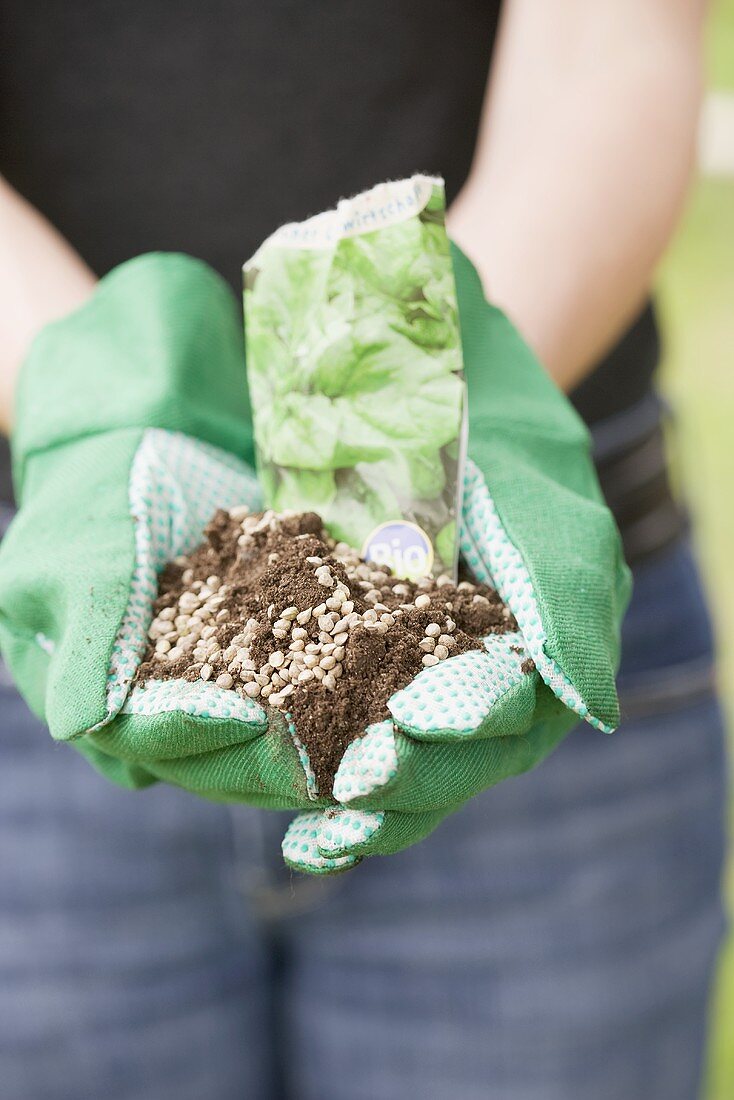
554	940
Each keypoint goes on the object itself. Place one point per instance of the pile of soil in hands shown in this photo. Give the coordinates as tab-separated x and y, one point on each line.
273	608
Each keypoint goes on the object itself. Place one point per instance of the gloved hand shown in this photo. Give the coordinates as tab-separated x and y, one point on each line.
130	415
535	527
110	489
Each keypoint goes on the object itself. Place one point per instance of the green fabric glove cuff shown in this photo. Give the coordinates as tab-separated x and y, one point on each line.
135	356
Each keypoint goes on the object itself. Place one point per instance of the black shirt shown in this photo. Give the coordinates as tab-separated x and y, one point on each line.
201	127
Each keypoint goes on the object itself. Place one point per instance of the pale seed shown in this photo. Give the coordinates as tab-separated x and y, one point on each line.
432	630
422	602
276	659
205	672
430	659
224	680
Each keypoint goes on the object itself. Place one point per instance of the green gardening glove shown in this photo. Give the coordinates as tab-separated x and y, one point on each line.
534	525
130	415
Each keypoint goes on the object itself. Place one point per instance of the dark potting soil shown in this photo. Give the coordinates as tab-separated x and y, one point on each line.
271	607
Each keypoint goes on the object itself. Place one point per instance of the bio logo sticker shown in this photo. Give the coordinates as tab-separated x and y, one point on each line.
404	547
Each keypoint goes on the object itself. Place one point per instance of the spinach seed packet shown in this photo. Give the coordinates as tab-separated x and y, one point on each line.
355	372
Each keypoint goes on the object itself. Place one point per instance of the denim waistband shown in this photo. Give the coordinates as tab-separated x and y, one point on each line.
631	462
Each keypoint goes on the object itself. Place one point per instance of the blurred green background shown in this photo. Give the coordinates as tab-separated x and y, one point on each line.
696	297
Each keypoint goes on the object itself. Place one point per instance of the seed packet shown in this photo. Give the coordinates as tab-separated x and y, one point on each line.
356	375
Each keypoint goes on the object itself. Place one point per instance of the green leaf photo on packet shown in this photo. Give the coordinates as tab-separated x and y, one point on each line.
356	376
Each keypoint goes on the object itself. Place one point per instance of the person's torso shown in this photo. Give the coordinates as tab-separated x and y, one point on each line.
202	127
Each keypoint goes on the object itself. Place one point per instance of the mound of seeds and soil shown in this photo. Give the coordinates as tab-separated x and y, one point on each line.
273	608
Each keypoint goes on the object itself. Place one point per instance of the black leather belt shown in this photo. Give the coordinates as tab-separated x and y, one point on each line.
629	452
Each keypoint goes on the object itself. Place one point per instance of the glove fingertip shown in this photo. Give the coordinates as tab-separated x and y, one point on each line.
369	763
301	851
347	832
